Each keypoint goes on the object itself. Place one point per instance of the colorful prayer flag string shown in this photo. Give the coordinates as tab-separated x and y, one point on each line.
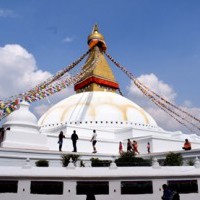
181	116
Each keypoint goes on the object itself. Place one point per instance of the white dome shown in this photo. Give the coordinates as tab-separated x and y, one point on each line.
21	116
96	106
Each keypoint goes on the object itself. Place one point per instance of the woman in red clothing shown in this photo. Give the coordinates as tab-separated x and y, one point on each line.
135	147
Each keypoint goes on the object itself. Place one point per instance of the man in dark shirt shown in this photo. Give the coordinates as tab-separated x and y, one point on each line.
167	193
74	138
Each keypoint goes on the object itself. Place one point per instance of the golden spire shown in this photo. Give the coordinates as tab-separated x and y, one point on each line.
101	78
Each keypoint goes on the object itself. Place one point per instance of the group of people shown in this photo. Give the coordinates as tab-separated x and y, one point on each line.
74	138
169	194
132	147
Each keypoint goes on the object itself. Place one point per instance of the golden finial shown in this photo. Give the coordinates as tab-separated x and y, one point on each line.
95	28
98	37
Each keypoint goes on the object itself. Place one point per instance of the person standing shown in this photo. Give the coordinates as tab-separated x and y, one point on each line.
94	141
135	147
129	146
167	193
60	140
148	147
120	148
74	138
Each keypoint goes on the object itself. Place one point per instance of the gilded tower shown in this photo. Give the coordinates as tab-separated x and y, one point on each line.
101	78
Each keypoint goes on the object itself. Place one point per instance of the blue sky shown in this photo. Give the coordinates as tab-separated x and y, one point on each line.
146	36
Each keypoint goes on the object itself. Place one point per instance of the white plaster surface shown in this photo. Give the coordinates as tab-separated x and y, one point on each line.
24	131
96	106
70	176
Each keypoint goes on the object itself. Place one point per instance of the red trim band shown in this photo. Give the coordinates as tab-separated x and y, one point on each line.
98	81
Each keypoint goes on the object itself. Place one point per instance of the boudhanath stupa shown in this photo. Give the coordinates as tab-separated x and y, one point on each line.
97	105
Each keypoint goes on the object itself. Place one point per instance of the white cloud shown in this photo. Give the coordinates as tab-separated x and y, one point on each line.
7	13
163	119
18	70
68	39
158	86
19	73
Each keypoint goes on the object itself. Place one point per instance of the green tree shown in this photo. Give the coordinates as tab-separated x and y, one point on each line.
190	162
100	163
66	157
173	159
42	163
129	159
